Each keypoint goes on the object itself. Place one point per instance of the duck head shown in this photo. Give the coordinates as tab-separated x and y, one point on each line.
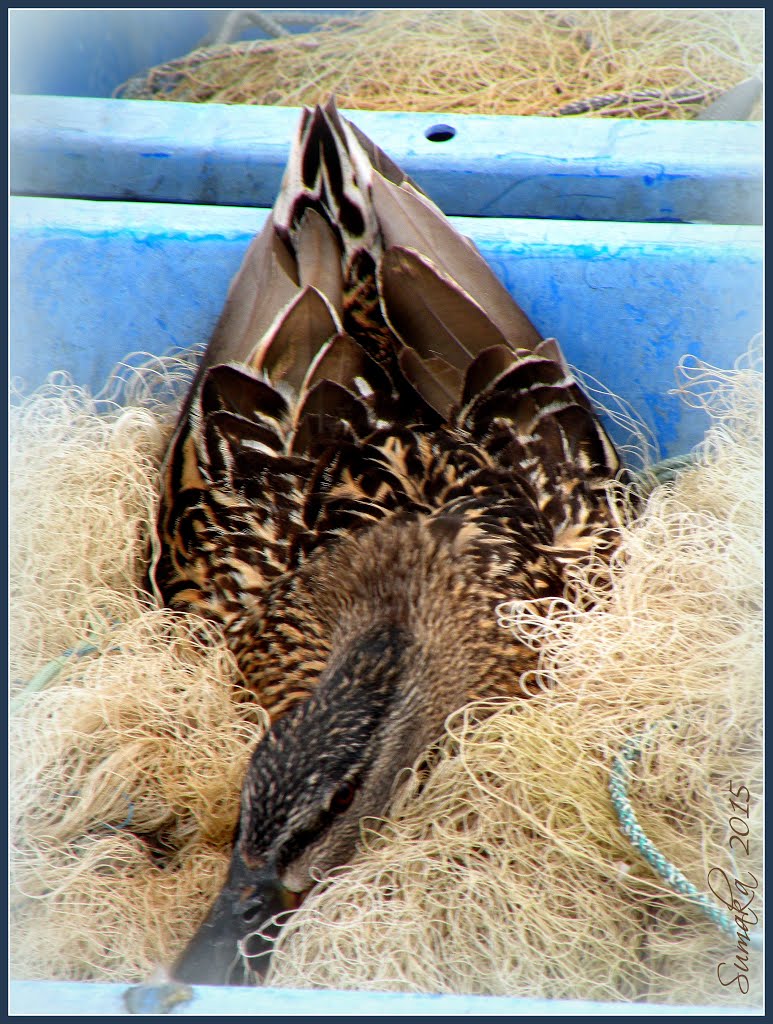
321	768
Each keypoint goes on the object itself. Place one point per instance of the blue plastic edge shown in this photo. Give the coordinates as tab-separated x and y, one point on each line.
584	169
93	281
94	998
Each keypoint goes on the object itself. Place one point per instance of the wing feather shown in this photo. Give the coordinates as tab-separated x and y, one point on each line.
261	290
303	329
430	312
369	363
409	221
319	259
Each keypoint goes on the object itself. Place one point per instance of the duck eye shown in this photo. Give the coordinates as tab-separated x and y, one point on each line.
342	798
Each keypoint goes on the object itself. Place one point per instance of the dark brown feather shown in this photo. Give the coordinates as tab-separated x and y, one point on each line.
345	362
435	380
261	289
318	254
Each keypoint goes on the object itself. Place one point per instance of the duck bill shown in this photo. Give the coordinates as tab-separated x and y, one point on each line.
233	945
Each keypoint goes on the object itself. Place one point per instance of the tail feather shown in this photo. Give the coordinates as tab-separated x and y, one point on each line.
327	414
367	362
344	362
488	366
438	390
328	172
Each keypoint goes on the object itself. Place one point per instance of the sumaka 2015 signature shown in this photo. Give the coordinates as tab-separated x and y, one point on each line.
737	894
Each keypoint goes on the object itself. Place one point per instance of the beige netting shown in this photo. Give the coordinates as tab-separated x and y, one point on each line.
503	869
623	63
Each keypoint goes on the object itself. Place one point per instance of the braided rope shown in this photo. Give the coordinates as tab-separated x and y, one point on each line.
630	827
637	96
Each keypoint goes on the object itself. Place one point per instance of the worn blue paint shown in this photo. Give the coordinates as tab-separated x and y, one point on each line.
102	999
94	281
577	169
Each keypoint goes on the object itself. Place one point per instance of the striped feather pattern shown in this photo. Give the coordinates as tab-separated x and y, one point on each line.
368	370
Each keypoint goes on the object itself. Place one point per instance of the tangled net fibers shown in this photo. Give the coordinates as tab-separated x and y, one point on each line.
502	868
622	63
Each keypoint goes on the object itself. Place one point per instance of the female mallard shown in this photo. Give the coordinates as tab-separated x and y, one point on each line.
377	450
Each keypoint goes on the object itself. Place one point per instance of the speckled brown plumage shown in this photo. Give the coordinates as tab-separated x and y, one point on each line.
378	449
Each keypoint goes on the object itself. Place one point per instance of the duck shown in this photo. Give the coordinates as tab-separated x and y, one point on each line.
379	447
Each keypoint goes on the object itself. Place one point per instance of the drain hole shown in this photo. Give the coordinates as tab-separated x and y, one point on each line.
440	133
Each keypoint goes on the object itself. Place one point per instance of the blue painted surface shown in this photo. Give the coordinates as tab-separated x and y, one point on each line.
94	281
96	999
587	169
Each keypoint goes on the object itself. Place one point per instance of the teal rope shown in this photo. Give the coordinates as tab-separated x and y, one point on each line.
48	674
52	669
630	827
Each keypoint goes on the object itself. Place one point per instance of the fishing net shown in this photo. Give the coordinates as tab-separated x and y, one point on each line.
503	868
622	63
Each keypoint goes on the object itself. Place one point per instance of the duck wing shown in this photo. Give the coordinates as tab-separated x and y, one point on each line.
367	363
